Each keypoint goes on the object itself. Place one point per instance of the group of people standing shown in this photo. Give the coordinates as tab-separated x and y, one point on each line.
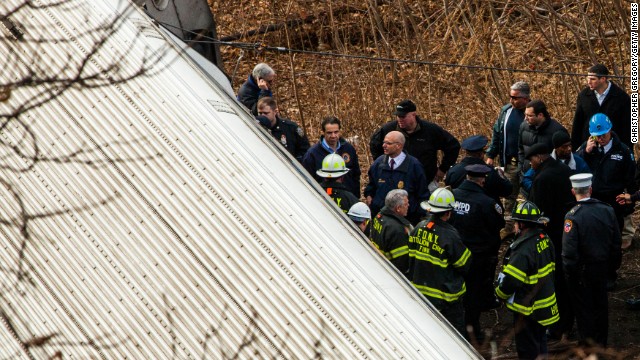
561	201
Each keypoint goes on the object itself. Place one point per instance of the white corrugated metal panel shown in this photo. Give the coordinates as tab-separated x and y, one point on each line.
152	218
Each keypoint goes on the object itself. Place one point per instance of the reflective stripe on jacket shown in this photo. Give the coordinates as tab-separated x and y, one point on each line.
526	282
438	260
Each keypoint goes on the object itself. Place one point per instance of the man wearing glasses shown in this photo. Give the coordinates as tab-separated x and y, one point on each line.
396	170
601	96
504	143
423	141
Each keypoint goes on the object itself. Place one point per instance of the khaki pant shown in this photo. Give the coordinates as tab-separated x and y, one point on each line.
628	230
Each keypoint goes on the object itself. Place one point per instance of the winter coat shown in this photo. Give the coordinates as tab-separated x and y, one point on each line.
423	144
438	260
312	161
526	281
616	105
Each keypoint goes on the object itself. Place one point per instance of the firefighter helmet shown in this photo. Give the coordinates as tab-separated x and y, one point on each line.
441	200
529	212
333	166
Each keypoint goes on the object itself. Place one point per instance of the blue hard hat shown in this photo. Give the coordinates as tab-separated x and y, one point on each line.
599	124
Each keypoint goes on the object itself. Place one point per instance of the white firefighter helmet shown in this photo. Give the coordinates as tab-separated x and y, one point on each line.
359	212
333	166
440	200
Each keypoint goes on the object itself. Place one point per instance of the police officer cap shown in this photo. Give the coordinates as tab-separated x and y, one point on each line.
405	107
477	170
581	180
474	143
536	149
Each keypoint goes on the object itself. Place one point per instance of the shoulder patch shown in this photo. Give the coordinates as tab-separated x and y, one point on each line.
346	157
498	208
568	225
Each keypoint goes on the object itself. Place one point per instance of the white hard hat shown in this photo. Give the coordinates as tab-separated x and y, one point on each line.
333	166
440	200
359	212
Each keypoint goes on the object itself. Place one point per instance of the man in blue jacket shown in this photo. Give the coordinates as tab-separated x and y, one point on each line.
562	152
423	141
396	170
332	143
257	86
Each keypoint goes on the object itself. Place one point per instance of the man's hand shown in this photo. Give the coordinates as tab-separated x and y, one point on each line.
623	199
489	161
263	84
591	143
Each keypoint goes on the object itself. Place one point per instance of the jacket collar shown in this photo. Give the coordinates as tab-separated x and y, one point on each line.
471	186
390	213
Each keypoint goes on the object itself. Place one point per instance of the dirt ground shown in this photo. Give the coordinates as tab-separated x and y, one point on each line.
624	323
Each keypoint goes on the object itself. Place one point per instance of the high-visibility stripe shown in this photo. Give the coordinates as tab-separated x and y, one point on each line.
516	273
397	252
463	258
530	280
501	294
429	258
439	294
550	320
540	304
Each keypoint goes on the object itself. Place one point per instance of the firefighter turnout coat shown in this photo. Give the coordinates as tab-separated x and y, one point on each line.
438	260
526	281
390	233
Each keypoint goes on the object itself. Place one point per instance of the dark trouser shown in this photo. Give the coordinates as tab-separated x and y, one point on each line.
590	304
531	340
563	298
620	211
479	282
452	311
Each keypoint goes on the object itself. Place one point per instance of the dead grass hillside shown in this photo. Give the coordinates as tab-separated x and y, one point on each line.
433	43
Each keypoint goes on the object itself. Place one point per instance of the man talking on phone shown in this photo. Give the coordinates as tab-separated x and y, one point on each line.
613	168
258	85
